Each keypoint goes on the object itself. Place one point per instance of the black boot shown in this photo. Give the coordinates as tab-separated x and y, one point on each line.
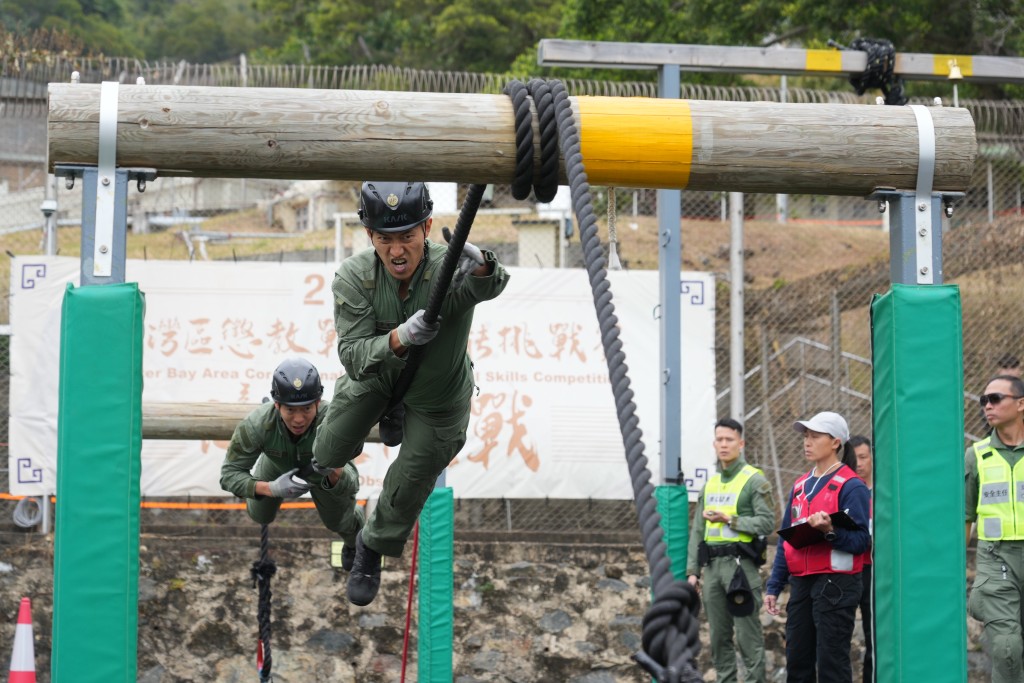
391	426
364	579
348	556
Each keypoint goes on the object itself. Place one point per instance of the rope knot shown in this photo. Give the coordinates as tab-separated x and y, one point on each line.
262	570
671	635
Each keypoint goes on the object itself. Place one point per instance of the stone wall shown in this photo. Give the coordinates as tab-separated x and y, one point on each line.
525	612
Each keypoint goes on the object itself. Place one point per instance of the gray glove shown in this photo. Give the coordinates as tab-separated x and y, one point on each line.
416	331
470	259
320	469
286	486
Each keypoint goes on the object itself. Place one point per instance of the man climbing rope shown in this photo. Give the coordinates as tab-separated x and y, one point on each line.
380	297
278	439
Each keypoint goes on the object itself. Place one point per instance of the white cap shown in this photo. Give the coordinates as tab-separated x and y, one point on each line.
832	424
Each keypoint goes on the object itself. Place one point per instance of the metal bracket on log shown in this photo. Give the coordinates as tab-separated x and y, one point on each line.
923	193
103	251
915	217
111	245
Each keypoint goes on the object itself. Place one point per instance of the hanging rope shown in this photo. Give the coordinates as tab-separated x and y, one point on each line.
412	590
670	629
262	570
879	71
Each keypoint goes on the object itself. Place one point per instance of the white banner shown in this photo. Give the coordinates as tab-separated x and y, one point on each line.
543	425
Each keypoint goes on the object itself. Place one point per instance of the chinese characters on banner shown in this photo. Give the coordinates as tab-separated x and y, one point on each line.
543	420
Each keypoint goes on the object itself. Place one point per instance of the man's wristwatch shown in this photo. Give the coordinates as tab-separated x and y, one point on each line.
830	536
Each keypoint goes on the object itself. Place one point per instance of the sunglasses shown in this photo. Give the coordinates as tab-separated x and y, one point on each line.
994	398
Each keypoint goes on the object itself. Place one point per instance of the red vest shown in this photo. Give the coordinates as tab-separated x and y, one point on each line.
820	558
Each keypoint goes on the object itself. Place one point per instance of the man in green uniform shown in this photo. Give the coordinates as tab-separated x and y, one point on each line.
275	442
379	301
733	511
994	484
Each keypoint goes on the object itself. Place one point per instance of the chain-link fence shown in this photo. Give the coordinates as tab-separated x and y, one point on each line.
812	264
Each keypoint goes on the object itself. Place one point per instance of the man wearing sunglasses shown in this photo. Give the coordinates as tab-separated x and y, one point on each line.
994	483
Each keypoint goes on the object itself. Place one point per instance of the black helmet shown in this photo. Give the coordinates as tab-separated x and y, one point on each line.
393	206
296	383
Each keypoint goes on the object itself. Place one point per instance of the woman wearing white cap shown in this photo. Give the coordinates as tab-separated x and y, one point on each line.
824	575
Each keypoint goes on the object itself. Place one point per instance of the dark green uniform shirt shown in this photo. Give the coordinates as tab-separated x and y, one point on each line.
263	431
367	307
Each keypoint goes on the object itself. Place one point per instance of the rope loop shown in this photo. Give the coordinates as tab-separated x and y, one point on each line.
524	138
546	186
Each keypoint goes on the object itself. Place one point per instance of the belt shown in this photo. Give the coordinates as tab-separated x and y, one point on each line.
723	550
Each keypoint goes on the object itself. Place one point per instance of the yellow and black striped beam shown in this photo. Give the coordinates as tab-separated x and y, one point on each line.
773	60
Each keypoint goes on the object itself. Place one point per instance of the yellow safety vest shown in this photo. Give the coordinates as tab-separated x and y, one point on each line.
1000	495
723	497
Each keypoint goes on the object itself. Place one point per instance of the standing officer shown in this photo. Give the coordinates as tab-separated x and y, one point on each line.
379	301
734	511
994	484
278	439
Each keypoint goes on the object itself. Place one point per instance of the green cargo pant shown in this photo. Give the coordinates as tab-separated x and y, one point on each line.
336	506
996	602
432	439
715	579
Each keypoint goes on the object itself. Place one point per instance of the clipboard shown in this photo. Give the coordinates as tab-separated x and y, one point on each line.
803	534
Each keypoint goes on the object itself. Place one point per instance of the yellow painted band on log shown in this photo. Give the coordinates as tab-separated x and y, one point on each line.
824	60
636	141
943	63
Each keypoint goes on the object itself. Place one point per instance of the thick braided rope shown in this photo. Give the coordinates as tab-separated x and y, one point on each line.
261	572
671	630
546	186
524	139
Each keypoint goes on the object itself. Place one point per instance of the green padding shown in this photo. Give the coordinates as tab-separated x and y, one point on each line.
674	508
919	553
99	444
437	581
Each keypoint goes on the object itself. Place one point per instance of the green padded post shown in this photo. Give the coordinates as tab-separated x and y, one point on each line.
437	587
674	508
99	446
920	558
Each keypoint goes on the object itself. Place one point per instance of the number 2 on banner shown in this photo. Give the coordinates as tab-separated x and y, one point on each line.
316	283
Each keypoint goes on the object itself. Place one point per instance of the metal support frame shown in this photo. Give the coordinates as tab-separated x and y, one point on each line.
109	245
907	246
669	266
737	345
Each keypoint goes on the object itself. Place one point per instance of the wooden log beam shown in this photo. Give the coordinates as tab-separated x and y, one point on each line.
199	421
627	142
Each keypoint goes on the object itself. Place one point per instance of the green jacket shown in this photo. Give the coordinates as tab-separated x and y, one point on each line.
263	431
755	512
367	307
